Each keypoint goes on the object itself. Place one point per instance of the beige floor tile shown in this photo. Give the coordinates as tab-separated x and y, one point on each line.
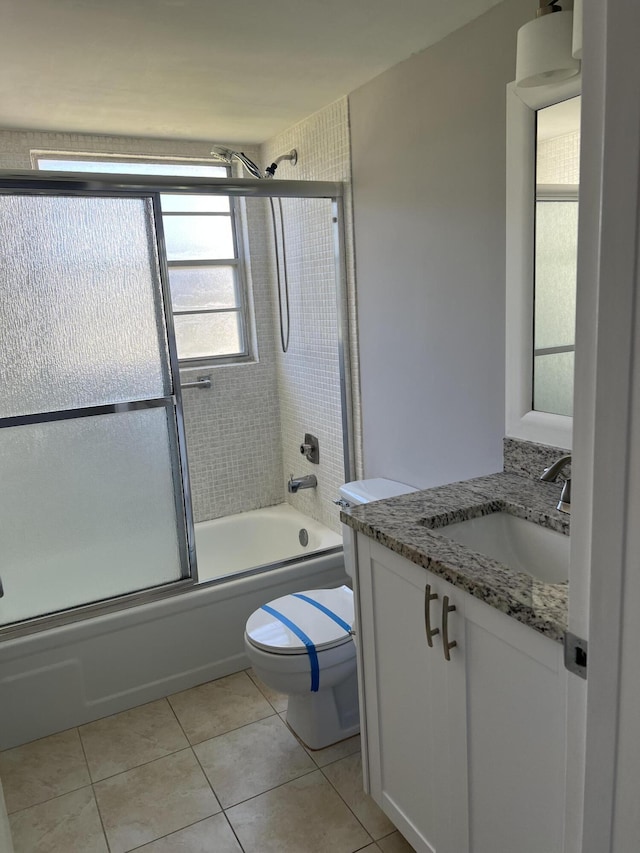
303	815
278	700
68	823
213	835
370	848
219	706
332	753
251	760
346	777
395	843
43	769
154	800
134	737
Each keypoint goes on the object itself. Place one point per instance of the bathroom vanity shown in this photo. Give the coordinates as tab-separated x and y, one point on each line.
462	682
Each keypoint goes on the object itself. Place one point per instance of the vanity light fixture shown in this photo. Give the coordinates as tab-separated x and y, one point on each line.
544	47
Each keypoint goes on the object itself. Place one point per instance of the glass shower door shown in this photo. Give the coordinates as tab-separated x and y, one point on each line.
94	494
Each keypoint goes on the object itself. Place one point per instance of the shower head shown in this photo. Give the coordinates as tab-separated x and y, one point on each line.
223	154
226	155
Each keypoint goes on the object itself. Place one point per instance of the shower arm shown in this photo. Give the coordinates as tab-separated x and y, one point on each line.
291	156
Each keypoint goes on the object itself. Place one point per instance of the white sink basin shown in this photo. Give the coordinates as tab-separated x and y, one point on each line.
519	544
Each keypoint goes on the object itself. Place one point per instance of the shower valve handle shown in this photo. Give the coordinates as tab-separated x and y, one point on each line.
310	448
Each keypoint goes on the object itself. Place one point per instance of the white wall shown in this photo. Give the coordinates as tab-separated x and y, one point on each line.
428	163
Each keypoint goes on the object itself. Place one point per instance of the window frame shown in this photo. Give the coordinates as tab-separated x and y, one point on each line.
238	262
521	420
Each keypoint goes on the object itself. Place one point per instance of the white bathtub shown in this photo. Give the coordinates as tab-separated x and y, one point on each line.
226	546
72	674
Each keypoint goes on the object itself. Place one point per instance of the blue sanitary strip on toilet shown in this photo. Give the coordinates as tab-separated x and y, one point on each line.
311	649
325	610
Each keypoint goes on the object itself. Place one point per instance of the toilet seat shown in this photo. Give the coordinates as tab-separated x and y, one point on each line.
320	618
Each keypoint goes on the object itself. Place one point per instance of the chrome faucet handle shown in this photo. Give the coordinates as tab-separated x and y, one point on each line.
550	474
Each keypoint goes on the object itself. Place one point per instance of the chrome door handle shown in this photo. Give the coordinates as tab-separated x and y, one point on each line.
446	610
428	598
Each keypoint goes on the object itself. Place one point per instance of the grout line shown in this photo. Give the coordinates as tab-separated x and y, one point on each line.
209	782
255	683
268	790
50	800
175	831
177	719
235	729
234	832
142	764
93	791
104	831
374	840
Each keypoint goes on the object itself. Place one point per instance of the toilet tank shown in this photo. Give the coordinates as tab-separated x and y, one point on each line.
363	492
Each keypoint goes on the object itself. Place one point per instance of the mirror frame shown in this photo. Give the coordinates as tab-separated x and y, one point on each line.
521	421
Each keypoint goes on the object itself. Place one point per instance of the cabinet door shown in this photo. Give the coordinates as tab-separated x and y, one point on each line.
516	709
404	684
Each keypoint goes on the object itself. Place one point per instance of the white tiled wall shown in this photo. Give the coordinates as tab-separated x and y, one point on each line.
243	435
233	430
558	159
308	374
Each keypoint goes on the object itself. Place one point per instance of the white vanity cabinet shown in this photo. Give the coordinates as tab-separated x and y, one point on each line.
464	755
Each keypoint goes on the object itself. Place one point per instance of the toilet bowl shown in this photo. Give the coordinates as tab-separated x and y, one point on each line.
302	644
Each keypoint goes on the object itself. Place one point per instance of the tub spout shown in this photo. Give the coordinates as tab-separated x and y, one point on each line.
296	483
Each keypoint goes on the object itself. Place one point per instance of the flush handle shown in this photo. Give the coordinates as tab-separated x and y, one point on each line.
428	598
446	610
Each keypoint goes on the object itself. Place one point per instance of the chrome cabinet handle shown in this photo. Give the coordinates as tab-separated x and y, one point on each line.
428	598
446	610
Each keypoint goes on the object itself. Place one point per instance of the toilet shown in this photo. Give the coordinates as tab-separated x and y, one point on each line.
301	644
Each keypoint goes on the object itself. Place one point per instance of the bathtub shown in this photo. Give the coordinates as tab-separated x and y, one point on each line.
75	673
234	544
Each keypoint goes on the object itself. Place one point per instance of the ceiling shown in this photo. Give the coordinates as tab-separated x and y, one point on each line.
238	70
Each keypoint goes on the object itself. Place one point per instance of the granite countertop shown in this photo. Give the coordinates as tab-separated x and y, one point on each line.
411	525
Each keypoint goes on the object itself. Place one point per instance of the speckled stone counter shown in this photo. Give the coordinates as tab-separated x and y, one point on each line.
411	526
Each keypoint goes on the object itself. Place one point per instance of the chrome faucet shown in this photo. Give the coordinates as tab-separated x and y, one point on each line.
551	474
296	483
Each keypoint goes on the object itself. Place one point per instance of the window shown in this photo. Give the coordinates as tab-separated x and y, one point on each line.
203	256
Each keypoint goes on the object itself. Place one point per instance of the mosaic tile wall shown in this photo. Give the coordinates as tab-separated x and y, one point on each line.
243	435
233	430
308	374
558	159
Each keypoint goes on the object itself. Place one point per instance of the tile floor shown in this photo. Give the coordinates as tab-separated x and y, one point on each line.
213	769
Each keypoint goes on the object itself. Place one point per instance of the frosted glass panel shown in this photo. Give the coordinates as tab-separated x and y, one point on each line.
194	203
553	383
87	508
555	279
198	238
202	335
79	301
194	288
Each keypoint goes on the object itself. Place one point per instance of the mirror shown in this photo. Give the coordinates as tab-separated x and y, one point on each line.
543	127
555	255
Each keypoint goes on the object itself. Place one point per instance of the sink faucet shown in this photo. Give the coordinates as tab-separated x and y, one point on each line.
550	475
295	483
